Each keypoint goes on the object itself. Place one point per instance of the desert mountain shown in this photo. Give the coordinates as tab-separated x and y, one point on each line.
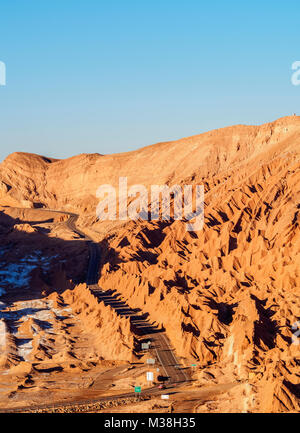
228	295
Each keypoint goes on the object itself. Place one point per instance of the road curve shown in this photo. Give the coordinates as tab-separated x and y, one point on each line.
161	347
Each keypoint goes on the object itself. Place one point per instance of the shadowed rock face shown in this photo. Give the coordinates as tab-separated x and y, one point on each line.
227	295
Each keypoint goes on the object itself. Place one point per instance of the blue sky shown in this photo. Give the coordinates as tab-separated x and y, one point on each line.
113	76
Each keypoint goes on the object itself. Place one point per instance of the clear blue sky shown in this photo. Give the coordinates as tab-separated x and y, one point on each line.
112	76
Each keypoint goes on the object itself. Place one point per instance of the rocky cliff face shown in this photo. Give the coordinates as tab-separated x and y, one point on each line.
228	295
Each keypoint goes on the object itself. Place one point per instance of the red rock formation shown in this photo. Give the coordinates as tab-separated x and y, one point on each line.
227	295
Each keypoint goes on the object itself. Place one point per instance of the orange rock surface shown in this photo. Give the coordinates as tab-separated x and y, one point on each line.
228	295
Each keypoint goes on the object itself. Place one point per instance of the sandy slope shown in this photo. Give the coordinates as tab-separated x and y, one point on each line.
227	296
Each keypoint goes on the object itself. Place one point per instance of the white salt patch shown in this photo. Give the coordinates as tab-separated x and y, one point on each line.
37	309
60	311
18	274
24	349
